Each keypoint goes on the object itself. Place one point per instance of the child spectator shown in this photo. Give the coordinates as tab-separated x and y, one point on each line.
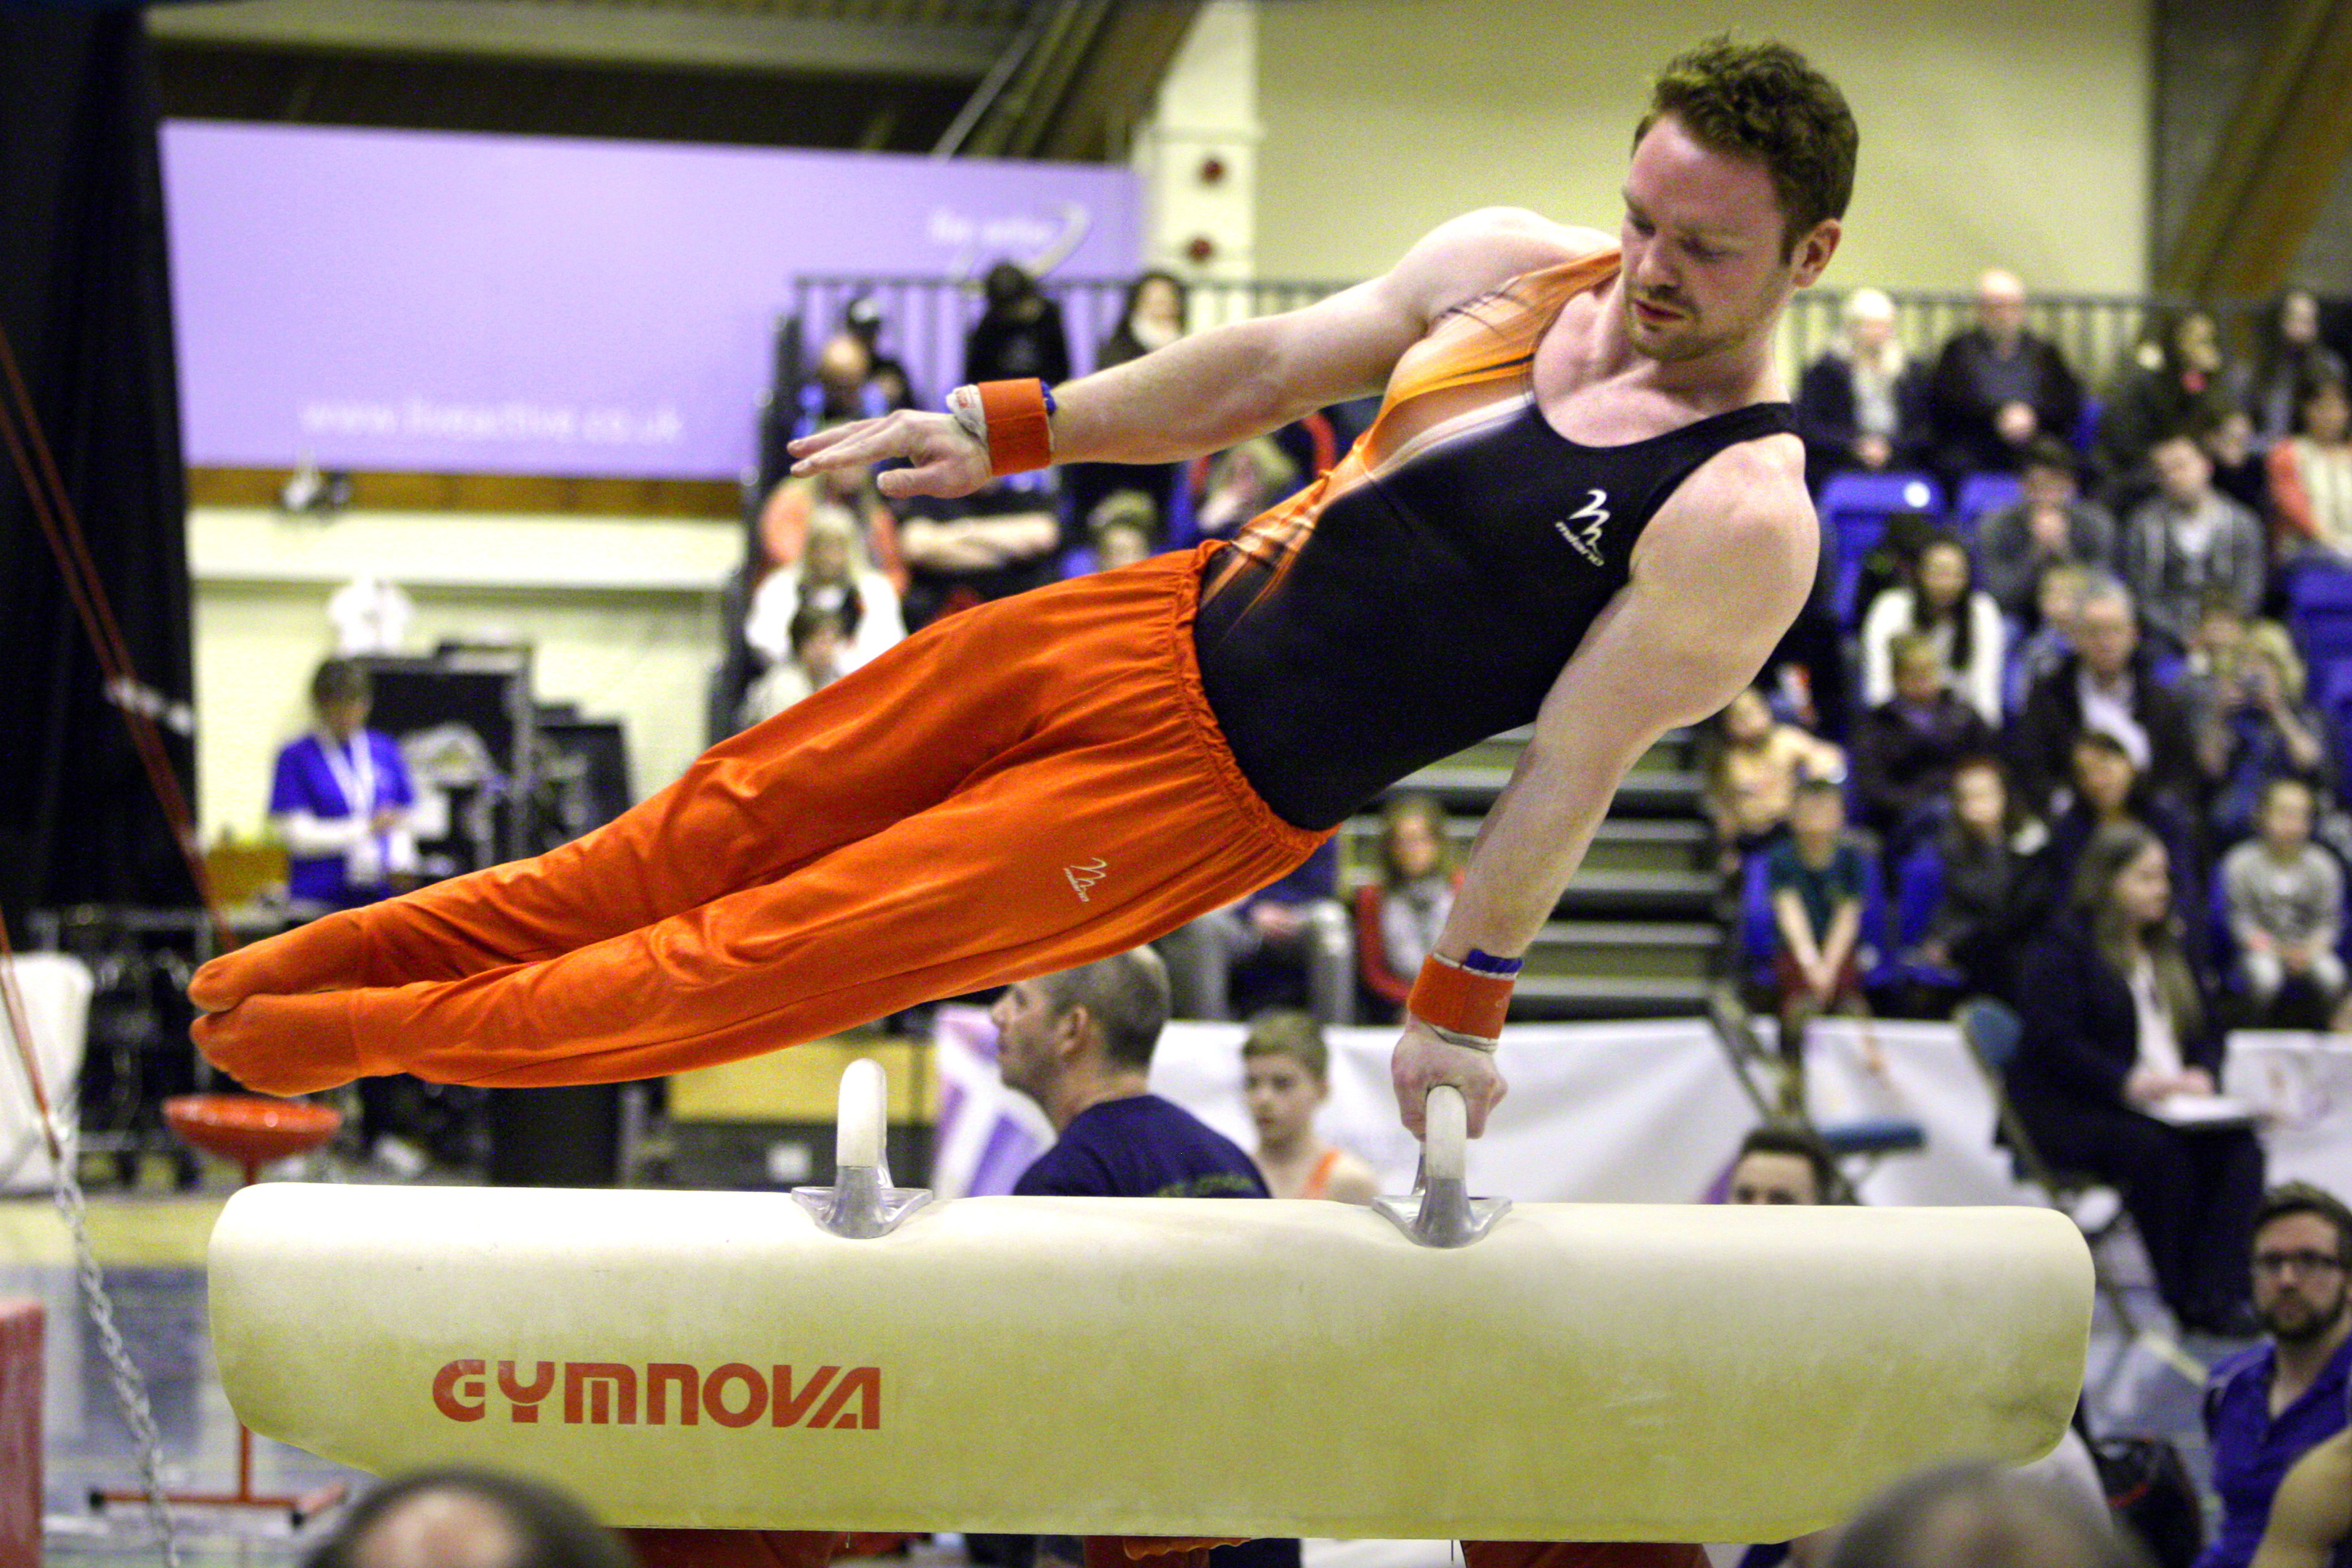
819	643
1753	764
2286	904
1125	529
830	575
1399	917
1961	623
2188	541
2057	605
2256	728
1286	1077
2311	472
2174	379
1992	895
785	521
2049	525
1905	748
1816	877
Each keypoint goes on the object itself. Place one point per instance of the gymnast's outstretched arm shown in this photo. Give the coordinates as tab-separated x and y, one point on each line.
1208	391
1717	575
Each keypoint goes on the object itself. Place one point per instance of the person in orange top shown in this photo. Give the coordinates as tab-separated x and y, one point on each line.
1286	1077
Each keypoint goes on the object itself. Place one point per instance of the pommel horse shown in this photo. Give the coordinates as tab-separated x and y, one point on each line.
861	1360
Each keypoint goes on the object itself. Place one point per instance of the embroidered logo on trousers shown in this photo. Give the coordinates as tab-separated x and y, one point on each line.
1594	515
1085	876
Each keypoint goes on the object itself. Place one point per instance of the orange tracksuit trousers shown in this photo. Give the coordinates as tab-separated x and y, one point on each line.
1027	786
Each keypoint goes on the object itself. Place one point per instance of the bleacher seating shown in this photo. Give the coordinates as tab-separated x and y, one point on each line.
1855	508
1982	493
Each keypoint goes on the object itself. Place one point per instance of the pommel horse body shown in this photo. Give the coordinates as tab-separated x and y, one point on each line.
860	1361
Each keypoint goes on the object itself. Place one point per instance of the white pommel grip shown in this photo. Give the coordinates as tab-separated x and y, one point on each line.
1446	1136
863	1114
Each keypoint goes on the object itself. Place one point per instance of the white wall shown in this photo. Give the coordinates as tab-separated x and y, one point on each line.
621	614
1992	130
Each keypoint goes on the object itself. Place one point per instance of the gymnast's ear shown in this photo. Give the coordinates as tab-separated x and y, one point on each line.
1811	255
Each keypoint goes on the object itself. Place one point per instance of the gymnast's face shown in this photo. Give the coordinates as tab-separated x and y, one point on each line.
1707	266
1281	1095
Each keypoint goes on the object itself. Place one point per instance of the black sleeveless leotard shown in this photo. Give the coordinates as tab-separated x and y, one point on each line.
1425	594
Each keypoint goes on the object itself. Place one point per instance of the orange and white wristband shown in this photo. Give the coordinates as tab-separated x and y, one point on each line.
1465	1004
1013	420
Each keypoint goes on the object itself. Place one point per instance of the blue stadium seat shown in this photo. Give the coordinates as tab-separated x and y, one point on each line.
1918	890
1981	493
2319	610
1855	508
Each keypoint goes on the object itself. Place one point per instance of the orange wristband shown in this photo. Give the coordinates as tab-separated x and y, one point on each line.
1448	996
1020	424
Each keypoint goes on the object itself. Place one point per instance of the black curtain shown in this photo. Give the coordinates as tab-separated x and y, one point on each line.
85	299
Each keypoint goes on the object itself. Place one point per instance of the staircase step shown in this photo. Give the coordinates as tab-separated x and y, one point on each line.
1553	997
1618	950
1649	895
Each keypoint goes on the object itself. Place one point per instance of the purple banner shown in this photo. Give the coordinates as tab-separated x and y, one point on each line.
491	304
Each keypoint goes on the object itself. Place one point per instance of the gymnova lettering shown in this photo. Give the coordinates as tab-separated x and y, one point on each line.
607	1394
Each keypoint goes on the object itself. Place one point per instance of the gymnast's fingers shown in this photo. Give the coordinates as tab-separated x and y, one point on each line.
829	439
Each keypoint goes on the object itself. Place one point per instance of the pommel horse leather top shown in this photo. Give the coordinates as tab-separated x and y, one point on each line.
1106	1366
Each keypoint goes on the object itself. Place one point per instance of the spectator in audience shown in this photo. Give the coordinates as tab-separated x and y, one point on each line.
1019	333
2116	1025
1753	766
2311	1518
1816	877
1151	317
2268	1405
820	641
2286	900
2255	727
1286	1078
829	575
2240	471
1783	1164
2108	790
2175	381
2107	685
1893	562
1243	481
1993	894
459	1517
784	521
2188	541
1997	386
1959	622
1290	935
1904	748
2217	652
2057	606
341	799
1079	1043
1863	405
999	541
863	320
840	386
2291	355
1979	1515
1123	529
1398	917
2311	472
2049	525
1807	672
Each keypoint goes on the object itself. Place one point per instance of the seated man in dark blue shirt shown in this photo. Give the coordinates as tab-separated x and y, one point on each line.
1079	1043
2266	1407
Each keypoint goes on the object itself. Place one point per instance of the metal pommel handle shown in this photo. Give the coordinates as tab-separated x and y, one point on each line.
862	1204
1441	1213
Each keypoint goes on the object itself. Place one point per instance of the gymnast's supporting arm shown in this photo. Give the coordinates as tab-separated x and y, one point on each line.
2312	1515
1208	391
1717	575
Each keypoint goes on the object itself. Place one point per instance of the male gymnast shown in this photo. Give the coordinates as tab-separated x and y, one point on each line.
1582	507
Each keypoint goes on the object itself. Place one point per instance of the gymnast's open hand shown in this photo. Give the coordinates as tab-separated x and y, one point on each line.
946	461
1423	1061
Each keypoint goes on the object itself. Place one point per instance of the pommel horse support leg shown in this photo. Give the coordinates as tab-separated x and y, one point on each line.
1104	1366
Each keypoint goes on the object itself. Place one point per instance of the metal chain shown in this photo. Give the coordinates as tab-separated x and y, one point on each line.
129	1386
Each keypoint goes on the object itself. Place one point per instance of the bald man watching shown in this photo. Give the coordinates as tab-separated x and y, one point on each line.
1997	386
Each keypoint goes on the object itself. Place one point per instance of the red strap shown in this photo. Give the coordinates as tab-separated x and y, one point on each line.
1020	430
1455	998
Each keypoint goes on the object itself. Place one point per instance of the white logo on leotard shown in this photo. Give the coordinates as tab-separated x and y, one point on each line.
1083	877
1594	515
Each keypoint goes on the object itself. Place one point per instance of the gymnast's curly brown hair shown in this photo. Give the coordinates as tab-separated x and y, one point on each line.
1766	101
